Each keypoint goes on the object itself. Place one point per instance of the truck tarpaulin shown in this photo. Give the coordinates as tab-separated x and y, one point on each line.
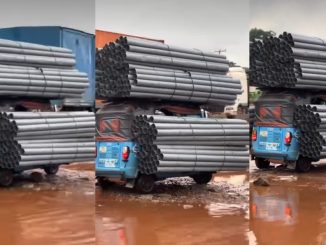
277	109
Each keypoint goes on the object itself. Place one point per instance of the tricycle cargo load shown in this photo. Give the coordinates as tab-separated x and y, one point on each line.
156	146
80	43
275	135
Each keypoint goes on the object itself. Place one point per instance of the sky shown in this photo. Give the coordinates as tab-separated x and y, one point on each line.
306	17
209	25
76	14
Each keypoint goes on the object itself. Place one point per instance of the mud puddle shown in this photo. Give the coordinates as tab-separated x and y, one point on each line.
291	210
53	210
178	212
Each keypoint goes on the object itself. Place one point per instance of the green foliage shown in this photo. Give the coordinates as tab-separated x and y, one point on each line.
253	96
256	33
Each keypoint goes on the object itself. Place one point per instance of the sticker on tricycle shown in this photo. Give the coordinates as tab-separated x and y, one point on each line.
272	146
264	133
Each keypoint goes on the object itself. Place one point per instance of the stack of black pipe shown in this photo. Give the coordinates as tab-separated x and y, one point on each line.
288	61
30	139
183	144
137	68
311	121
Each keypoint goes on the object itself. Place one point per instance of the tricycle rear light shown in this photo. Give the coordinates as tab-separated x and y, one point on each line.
125	153
288	138
254	135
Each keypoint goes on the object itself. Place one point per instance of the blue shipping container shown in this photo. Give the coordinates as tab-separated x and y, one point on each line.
81	43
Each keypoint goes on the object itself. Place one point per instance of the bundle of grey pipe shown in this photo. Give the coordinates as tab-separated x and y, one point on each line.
289	61
183	144
311	122
137	68
38	71
41	138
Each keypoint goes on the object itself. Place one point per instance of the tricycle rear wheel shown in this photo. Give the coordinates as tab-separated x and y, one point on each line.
262	163
202	178
103	182
51	169
303	165
6	177
145	183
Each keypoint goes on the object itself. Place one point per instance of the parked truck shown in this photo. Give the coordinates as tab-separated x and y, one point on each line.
241	104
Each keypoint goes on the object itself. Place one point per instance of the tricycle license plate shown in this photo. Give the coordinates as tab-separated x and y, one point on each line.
271	146
110	163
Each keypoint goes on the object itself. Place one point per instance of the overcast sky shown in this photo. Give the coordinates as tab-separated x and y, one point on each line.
298	16
76	14
207	24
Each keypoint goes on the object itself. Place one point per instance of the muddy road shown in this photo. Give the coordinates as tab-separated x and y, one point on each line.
53	210
179	212
291	210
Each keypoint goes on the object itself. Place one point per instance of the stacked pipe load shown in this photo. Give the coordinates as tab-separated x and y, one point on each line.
289	61
132	67
311	121
29	139
184	144
31	70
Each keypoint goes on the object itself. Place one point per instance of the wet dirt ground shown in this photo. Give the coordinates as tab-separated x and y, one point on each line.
179	212
291	210
49	210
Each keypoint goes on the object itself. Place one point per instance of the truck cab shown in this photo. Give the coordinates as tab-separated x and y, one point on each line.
116	159
274	138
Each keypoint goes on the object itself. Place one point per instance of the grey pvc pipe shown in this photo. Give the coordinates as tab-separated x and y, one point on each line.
32	144
173	119
199	126
57	150
38	115
190	93
201	147
204	152
44	71
79	140
70	131
307	39
201	132
191	87
66	135
157	45
25	45
169	53
153	71
36	60
180	98
54	161
51	95
175	62
40	127
203	143
52	120
55	156
35	52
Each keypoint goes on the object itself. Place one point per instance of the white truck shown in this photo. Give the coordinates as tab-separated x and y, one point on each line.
241	103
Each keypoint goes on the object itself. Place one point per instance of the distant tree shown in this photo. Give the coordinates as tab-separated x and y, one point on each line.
256	33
